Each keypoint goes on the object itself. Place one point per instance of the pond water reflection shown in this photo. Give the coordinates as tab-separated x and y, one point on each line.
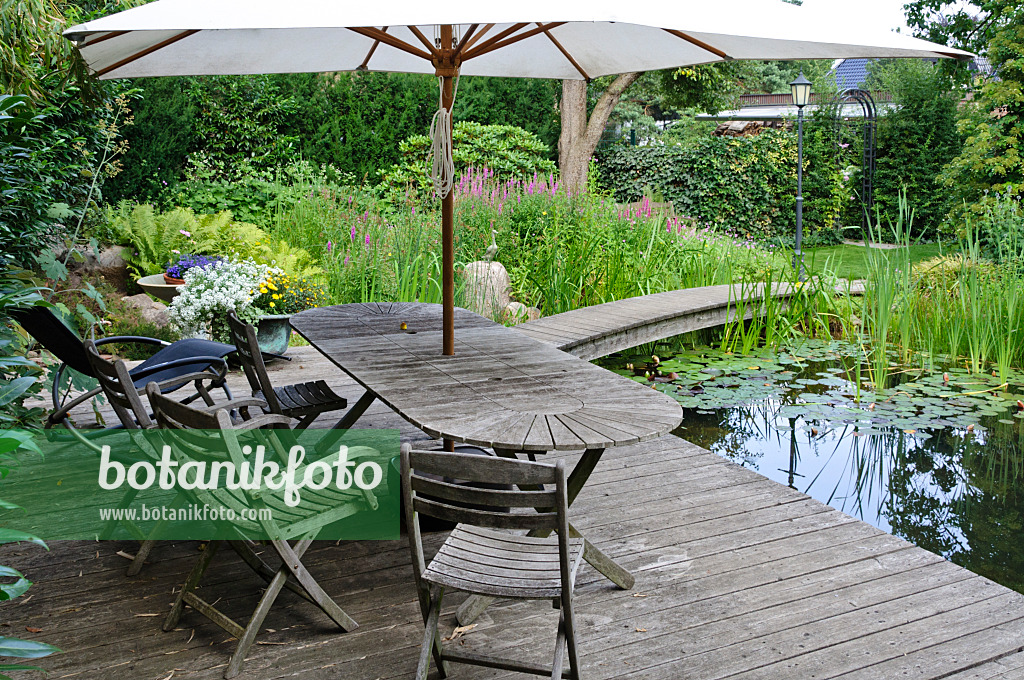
935	457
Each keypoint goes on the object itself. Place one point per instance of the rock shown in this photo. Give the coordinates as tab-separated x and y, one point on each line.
488	288
112	257
517	313
152	311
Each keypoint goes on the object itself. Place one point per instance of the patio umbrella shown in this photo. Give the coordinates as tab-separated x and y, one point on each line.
527	39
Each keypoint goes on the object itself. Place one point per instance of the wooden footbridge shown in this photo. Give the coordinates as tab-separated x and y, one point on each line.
738	578
597	331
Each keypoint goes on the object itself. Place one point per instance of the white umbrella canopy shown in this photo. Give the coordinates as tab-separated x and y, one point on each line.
577	39
528	39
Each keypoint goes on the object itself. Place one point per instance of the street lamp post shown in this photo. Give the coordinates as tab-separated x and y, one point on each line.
801	90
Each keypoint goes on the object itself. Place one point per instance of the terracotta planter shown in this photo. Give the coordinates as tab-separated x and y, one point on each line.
171	281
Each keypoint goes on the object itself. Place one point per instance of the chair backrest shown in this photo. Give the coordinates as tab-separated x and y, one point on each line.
493	508
52	333
243	335
117	385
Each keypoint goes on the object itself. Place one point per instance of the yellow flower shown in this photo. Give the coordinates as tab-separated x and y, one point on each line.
263	291
271	304
276	296
271	286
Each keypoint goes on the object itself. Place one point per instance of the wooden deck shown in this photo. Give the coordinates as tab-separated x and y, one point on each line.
597	331
737	577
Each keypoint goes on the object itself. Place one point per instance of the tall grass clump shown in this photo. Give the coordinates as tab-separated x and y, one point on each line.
960	307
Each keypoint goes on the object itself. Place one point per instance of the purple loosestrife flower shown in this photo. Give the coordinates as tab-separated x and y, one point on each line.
353	232
329	245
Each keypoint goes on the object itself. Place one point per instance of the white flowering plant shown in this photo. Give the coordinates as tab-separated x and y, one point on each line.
209	293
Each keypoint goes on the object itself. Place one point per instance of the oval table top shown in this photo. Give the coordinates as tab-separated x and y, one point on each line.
501	389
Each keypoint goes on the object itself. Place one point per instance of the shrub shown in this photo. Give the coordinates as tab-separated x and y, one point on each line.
744	183
505	150
915	141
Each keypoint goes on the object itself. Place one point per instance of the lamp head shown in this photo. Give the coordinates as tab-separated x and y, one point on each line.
801	91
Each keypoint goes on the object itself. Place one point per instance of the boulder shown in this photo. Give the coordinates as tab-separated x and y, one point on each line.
487	288
517	313
152	311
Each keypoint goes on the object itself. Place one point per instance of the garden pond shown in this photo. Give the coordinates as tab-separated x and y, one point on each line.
936	456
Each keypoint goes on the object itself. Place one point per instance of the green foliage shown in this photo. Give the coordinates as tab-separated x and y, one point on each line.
506	150
154	237
708	87
206	130
20	378
745	183
251	197
1000	230
993	127
968	25
560	252
31	47
22	212
915	141
239	123
159	142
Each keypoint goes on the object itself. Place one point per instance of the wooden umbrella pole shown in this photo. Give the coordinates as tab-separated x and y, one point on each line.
448	245
447	69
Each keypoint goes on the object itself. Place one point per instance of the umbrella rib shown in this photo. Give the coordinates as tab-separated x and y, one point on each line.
149	50
106	36
470	41
373	48
465	39
497	38
496	42
390	40
423	39
699	43
565	52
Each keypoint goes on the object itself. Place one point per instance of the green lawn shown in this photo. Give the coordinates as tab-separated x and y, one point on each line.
848	261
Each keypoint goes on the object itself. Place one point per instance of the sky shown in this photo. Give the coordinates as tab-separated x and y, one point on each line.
887	13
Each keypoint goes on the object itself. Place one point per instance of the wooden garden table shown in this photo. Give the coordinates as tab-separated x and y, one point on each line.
501	389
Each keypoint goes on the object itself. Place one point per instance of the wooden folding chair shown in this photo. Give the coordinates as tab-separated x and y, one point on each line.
291	529
477	559
116	382
302	401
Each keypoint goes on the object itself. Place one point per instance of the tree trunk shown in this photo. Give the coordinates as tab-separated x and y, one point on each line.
579	137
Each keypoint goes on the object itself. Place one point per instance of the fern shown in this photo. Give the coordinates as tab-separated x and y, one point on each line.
153	239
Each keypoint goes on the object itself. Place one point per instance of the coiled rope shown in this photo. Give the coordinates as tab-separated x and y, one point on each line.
442	167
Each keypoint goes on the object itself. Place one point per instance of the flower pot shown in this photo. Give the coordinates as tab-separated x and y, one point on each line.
171	281
273	332
157	287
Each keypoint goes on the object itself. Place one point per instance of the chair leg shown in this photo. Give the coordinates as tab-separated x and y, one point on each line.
306	421
255	623
140	556
431	642
291	558
264	570
190	584
570	638
556	666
